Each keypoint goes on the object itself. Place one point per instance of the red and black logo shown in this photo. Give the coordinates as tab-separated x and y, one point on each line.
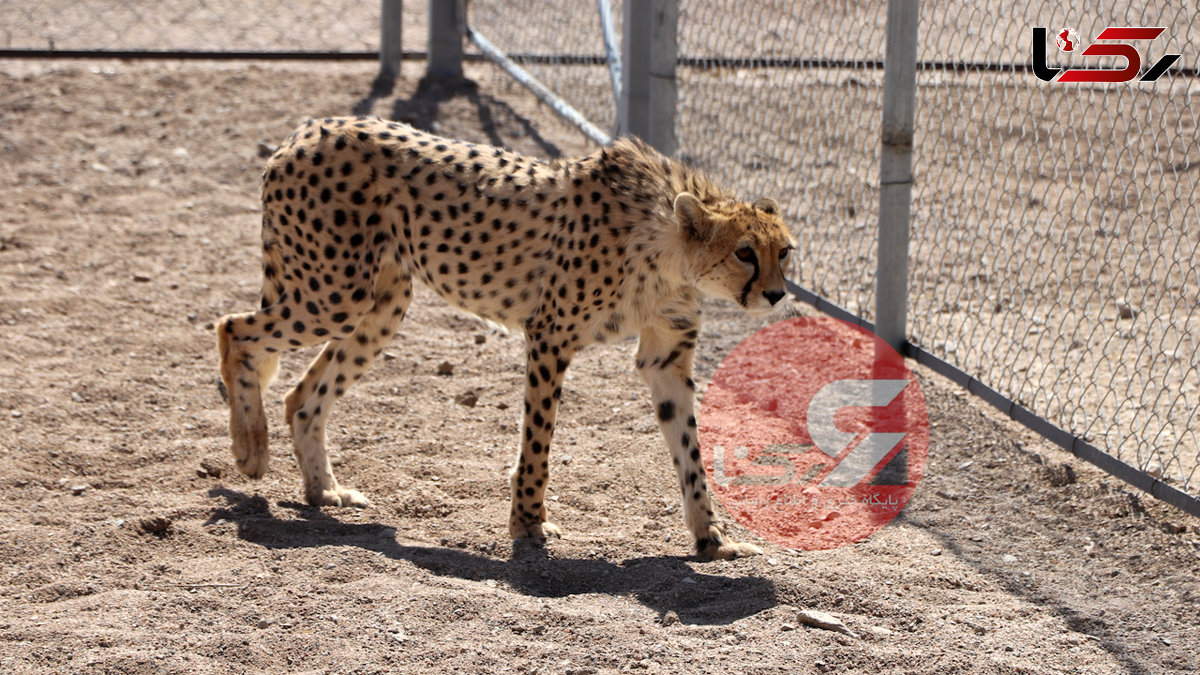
1068	41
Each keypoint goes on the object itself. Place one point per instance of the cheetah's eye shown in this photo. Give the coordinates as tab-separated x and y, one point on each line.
745	254
783	252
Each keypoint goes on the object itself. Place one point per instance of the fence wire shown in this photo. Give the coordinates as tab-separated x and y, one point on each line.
806	136
559	43
1055	228
197	25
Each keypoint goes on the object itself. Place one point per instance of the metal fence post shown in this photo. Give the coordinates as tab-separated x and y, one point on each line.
895	172
447	27
648	50
604	9
390	46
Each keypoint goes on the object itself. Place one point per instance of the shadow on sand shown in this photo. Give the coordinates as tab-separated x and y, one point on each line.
656	582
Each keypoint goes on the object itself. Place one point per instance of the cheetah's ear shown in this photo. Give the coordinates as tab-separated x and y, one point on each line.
692	216
767	205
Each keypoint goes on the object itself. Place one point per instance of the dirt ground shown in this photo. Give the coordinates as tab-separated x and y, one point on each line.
128	544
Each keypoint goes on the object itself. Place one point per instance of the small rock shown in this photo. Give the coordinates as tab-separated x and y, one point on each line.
79	489
670	618
823	620
159	526
1174	528
265	151
467	398
388	356
141	278
788	626
263	623
1126	310
180	152
936	551
387	533
1008	558
210	468
480	339
1155	469
567	459
75	396
445	368
689	580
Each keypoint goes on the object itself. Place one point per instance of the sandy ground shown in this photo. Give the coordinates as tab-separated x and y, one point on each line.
128	223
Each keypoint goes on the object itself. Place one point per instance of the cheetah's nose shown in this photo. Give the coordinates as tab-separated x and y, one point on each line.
773	296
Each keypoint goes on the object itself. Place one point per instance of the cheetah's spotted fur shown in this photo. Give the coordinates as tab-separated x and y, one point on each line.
621	242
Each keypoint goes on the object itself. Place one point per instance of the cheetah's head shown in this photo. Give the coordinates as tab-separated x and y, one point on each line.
736	250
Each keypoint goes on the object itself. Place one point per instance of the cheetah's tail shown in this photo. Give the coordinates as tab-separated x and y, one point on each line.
272	290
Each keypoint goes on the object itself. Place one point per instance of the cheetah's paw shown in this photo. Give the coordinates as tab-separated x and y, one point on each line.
716	547
731	550
249	448
540	530
338	497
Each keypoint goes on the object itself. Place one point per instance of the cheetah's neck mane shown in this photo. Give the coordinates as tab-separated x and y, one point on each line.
645	183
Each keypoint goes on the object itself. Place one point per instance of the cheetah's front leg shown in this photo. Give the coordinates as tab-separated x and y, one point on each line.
664	360
546	366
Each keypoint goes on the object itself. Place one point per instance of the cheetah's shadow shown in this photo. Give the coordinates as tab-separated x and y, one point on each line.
662	583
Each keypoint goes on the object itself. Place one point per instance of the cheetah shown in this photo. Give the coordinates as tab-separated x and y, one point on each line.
621	242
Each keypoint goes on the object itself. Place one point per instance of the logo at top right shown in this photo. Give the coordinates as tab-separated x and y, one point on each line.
1067	40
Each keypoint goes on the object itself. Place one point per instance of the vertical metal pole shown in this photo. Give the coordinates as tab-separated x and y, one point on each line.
648	52
447	27
390	46
604	8
895	172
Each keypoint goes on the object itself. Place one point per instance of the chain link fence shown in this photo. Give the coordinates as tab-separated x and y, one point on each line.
338	26
560	43
1054	226
772	102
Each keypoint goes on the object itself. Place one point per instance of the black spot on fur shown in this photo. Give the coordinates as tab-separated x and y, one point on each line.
666	411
